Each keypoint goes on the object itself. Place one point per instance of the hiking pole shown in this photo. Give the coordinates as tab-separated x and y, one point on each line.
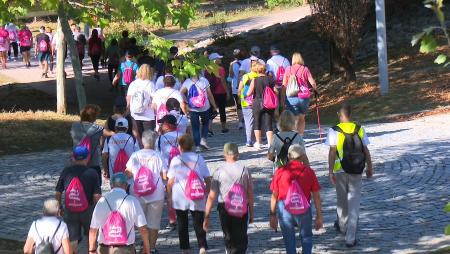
316	94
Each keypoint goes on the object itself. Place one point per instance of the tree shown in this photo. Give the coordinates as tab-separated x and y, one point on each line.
340	22
101	13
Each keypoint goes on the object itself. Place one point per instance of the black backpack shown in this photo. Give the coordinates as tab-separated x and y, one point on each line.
282	156
46	246
354	159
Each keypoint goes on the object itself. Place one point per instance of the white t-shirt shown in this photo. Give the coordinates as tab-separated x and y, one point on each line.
149	89
153	161
116	142
46	227
165	143
246	65
202	84
179	172
235	78
130	209
182	122
275	62
160	82
162	95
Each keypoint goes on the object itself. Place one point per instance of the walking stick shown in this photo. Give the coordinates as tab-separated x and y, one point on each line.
318	114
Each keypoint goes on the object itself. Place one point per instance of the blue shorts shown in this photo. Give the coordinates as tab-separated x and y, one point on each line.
297	106
44	57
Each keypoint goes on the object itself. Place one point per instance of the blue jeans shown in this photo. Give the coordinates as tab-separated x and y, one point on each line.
195	123
297	106
287	223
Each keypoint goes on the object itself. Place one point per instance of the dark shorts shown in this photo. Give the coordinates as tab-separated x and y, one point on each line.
25	49
77	222
44	57
297	106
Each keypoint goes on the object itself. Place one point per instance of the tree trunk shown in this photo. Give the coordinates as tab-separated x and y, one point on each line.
61	105
350	74
335	59
79	86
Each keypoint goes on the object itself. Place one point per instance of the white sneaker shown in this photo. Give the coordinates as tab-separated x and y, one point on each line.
198	149
202	251
257	145
204	144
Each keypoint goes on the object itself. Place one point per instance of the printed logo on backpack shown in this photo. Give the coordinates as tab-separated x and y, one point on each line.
195	188
115	228
120	163
296	202
196	97
75	197
43	46
236	203
144	184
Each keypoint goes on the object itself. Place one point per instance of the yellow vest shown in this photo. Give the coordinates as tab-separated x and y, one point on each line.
347	128
246	79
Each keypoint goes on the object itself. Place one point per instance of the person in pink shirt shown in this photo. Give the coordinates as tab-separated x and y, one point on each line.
26	42
4	46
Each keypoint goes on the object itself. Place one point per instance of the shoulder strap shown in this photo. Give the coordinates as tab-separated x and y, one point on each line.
357	128
279	137
57	228
123	200
126	142
37	232
338	129
110	208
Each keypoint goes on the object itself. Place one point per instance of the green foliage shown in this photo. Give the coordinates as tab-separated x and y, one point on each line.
274	3
447	210
427	39
9	12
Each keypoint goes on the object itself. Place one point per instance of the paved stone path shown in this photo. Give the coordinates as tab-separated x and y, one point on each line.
401	210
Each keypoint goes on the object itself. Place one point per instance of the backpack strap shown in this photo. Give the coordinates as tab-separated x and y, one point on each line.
54	234
123	200
357	129
37	232
110	208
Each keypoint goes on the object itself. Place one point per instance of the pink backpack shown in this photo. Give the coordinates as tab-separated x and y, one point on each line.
236	203
120	164
115	228
144	182
162	109
270	99
280	74
196	97
128	75
174	151
75	197
296	202
86	142
195	188
43	46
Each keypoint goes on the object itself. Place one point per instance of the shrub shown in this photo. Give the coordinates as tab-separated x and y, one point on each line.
274	3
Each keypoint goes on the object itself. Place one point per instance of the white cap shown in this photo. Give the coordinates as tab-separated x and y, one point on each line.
215	56
122	122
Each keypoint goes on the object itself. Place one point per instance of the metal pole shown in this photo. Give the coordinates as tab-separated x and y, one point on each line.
382	47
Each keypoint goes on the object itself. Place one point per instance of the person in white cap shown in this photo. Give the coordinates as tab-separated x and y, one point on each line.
48	227
219	89
246	65
119	142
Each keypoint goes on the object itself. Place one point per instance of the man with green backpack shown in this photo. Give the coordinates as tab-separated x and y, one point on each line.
348	157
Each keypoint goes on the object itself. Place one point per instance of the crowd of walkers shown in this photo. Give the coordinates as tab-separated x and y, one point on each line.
150	150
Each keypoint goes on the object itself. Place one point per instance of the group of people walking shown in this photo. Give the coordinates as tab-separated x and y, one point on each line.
151	148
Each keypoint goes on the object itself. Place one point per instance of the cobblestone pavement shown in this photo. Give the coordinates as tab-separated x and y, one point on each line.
401	210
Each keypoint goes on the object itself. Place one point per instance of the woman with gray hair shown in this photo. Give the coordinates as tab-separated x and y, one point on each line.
291	184
49	232
145	167
278	150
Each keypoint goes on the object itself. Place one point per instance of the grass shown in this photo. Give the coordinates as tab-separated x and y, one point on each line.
442	251
28	131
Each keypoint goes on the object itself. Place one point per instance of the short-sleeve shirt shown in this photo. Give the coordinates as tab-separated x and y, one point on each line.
203	84
218	86
165	143
294	170
88	178
152	160
149	90
246	65
25	38
127	64
111	123
12	31
115	143
94	131
45	228
4	40
43	37
300	71
235	76
275	62
160	82
260	84
130	209
179	172
182	123
277	143
226	176
162	95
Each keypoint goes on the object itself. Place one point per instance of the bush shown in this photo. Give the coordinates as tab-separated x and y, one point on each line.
274	3
219	28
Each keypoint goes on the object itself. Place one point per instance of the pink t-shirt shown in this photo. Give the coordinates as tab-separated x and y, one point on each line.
25	38
300	71
4	41
218	88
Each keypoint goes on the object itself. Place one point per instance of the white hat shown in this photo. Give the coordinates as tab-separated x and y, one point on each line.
122	122
215	56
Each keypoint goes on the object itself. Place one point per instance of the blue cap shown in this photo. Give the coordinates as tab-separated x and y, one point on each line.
119	178
80	153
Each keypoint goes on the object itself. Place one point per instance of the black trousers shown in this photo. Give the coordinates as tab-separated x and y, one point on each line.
95	61
15	47
221	102
234	231
112	71
183	228
141	126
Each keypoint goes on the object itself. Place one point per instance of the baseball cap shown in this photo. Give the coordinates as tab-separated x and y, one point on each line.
254	58
170	119
122	122
119	178
215	56
255	50
120	101
274	48
80	153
